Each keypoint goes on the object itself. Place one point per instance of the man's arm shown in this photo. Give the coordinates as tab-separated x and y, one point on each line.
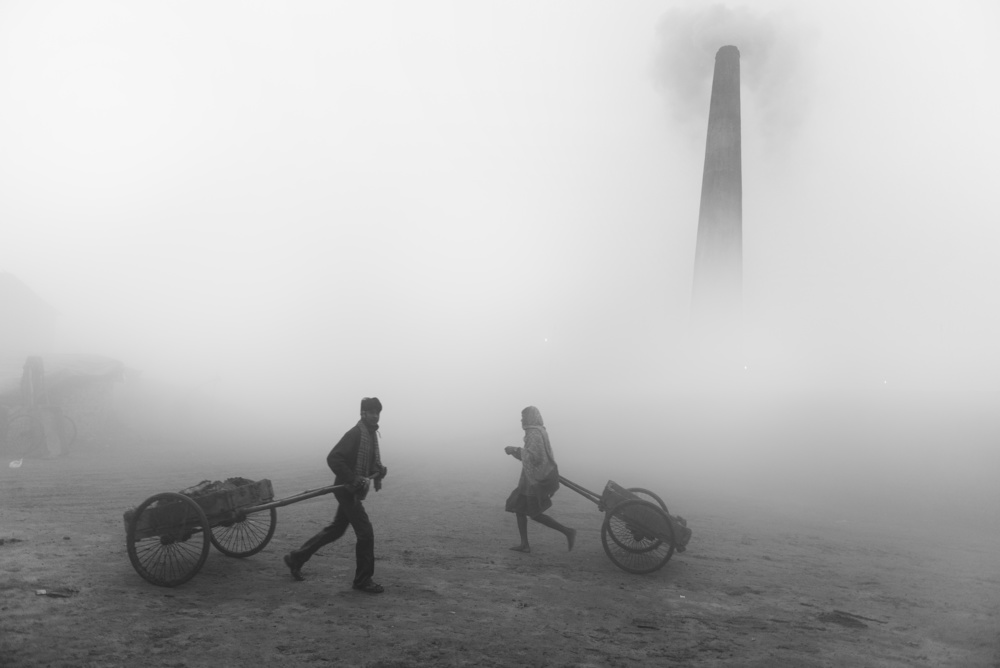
344	456
382	472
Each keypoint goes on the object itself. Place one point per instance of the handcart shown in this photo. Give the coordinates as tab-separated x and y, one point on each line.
639	533
168	534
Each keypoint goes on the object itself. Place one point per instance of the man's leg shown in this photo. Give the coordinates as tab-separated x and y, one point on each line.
365	548
326	536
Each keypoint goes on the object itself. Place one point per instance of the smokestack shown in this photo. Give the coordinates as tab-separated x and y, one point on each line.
717	293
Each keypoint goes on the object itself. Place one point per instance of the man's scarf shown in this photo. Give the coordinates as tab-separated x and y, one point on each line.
369	461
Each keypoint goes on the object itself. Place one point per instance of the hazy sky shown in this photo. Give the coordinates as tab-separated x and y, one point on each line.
482	205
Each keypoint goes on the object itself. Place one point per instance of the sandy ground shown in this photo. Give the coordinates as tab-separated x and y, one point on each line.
763	583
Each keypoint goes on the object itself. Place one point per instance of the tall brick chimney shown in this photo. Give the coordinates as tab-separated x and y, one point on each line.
717	293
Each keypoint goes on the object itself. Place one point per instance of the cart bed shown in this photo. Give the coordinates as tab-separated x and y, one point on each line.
614	494
219	500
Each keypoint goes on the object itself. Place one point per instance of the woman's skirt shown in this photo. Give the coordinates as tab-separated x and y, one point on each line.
531	500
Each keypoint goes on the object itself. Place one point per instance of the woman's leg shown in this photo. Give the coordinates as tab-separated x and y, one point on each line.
570	534
522	528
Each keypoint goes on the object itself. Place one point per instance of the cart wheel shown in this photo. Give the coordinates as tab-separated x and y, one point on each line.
638	536
167	540
639	491
246	535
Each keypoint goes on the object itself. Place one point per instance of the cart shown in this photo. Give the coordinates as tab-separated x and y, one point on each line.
639	533
168	534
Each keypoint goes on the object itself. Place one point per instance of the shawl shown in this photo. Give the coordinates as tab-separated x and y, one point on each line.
536	456
368	461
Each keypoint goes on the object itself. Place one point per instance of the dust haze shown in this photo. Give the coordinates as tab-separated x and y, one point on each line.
268	212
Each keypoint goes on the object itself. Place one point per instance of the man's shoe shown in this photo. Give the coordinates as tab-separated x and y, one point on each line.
370	587
295	569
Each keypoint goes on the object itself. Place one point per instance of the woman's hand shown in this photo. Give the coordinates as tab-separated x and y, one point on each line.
510	449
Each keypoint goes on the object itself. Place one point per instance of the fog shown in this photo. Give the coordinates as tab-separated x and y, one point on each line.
269	210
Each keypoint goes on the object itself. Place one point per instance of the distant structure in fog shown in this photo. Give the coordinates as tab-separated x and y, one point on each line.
717	293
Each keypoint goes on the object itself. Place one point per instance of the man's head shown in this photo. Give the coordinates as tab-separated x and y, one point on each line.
371	408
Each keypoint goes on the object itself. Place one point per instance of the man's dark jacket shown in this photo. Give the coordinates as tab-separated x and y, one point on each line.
343	459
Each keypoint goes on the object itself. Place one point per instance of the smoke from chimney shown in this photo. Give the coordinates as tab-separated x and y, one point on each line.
774	49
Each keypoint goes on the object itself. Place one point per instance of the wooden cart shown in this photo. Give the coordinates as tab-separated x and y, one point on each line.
168	534
639	533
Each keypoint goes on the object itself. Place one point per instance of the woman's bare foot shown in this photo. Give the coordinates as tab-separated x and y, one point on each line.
570	539
521	548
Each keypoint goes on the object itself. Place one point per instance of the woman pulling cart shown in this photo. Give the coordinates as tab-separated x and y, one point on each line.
539	480
639	534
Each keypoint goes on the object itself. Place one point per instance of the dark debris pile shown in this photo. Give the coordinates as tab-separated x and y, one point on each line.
206	487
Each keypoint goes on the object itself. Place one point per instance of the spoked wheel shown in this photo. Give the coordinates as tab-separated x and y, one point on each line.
167	539
678	524
638	536
246	534
646	495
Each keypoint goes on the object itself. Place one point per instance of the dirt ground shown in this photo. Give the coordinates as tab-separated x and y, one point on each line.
761	584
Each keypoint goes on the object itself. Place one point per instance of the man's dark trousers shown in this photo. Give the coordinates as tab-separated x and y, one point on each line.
350	512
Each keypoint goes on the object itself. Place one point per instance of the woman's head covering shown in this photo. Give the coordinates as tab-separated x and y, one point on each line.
532	417
536	458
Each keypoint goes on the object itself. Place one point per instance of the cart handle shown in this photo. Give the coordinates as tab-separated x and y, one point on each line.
308	494
582	491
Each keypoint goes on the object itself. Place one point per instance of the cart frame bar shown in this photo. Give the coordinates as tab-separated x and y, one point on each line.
582	491
308	494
